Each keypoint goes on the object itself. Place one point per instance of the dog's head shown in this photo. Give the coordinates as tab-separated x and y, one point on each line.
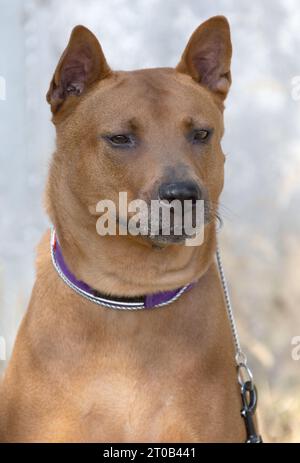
153	133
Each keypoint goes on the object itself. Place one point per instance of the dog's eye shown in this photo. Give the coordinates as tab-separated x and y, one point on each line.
199	136
121	140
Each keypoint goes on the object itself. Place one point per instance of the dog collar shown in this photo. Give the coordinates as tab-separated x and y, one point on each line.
135	303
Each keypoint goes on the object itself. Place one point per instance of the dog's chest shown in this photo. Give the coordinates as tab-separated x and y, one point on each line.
140	408
137	405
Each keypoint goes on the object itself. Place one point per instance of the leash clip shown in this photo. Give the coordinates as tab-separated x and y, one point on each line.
249	399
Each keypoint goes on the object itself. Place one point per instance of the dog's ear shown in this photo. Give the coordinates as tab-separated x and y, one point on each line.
81	64
207	56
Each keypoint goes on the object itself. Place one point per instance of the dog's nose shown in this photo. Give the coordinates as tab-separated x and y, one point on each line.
181	191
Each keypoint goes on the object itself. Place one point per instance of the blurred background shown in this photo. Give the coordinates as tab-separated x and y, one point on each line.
260	204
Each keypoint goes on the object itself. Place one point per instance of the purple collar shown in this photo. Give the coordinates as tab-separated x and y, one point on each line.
144	302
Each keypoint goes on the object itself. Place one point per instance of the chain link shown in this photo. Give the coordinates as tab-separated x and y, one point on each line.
244	372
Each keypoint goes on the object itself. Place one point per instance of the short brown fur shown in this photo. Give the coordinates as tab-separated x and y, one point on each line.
83	373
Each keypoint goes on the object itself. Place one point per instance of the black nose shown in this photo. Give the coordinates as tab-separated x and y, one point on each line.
182	191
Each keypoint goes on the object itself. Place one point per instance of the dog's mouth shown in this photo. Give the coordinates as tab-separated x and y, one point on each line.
184	227
160	222
173	228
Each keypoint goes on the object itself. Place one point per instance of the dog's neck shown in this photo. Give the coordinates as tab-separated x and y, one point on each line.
122	266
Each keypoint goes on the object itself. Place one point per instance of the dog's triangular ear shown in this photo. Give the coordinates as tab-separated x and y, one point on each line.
207	56
81	64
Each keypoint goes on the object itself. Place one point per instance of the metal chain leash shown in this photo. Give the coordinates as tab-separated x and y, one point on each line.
244	374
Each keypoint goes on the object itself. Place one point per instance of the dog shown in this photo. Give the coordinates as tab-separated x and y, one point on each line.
83	372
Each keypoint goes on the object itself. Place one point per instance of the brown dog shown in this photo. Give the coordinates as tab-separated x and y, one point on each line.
82	372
